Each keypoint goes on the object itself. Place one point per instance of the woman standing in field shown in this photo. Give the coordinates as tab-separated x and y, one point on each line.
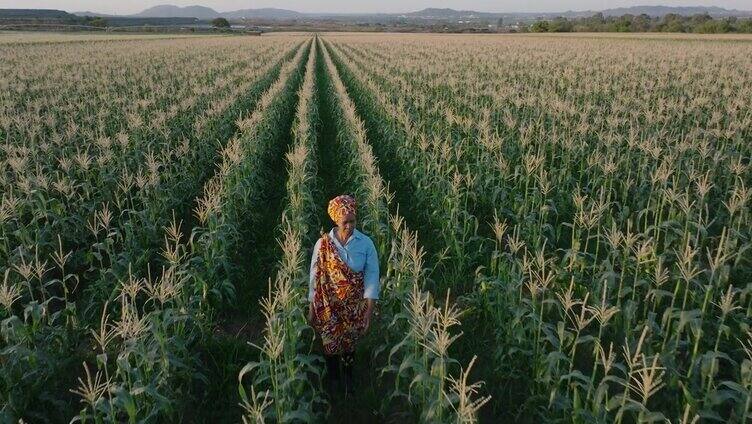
343	287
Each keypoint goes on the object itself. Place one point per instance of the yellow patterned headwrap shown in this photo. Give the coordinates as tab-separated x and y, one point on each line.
341	206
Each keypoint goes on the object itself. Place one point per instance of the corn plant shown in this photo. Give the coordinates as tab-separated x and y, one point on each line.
578	206
132	398
427	330
287	375
46	363
606	214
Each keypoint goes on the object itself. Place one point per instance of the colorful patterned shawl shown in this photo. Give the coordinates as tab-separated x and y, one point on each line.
338	301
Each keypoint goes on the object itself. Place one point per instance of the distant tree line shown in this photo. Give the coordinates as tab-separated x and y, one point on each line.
95	21
702	24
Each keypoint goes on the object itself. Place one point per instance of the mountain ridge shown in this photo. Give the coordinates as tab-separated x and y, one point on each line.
170	11
203	12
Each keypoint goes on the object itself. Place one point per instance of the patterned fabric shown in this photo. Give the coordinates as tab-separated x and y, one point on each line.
338	302
359	253
341	206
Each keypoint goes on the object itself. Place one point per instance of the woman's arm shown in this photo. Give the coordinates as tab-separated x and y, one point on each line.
372	285
312	280
371	274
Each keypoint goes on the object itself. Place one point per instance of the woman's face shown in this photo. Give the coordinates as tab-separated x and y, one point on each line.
346	224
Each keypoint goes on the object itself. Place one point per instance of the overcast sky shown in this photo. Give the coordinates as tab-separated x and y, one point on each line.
355	6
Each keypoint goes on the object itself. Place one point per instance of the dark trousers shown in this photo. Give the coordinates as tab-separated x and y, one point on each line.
338	365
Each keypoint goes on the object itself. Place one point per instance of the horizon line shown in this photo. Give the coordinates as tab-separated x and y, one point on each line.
399	13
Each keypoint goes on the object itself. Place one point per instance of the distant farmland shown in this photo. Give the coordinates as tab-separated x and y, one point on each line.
563	225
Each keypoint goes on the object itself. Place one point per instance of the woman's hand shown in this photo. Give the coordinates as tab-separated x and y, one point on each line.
310	314
367	315
366	322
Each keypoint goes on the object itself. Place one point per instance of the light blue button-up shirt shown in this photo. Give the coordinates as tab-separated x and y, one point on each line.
359	253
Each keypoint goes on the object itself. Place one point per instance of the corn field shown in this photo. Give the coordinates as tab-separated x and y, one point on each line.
563	225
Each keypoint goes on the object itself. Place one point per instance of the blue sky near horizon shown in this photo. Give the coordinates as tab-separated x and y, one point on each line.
349	6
